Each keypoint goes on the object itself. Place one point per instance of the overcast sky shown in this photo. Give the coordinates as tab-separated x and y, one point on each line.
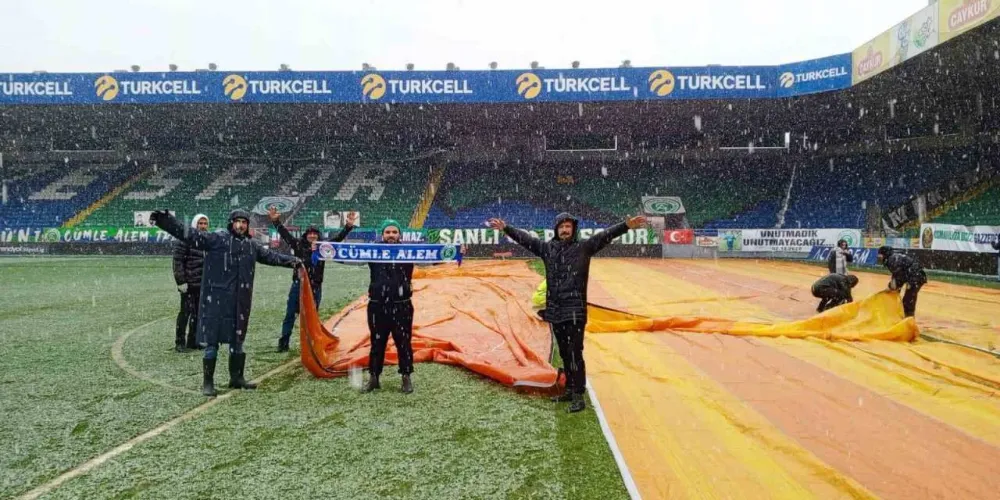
98	36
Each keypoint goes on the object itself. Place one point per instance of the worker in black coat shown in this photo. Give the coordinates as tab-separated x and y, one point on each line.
188	263
303	248
567	271
231	258
833	290
905	271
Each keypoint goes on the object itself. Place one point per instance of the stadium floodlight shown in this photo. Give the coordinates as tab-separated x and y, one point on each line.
534	65
575	64
409	66
39	72
135	68
284	67
626	63
493	65
451	67
173	67
212	66
366	67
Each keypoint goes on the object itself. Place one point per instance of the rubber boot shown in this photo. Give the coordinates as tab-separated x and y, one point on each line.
180	348
208	372
192	344
372	384
407	385
577	405
565	397
283	345
237	362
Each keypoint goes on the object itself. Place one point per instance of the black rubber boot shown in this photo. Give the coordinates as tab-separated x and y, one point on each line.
180	348
192	344
372	384
208	373
282	345
236	364
577	405
407	384
562	398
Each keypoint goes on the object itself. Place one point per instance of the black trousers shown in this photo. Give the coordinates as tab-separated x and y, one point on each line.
569	337
910	298
187	318
831	302
390	319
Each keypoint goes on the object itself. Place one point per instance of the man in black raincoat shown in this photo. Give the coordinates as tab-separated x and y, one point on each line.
833	290
187	274
303	248
231	257
567	270
905	271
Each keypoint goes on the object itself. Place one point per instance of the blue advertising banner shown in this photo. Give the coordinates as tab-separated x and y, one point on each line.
862	256
817	75
573	85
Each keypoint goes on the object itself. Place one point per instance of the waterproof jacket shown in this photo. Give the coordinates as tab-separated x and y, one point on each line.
302	249
905	269
188	263
833	286
227	278
567	267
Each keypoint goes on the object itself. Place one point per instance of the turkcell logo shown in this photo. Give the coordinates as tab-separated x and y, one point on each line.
49	89
789	79
108	87
529	85
375	86
236	87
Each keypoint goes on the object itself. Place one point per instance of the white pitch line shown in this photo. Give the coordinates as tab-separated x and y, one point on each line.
118	355
146	436
633	490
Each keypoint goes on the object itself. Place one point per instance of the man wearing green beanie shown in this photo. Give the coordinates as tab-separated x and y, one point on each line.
390	312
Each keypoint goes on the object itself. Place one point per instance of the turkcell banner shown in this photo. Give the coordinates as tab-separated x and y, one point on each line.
862	256
391	253
958	238
572	85
784	240
817	75
486	236
88	234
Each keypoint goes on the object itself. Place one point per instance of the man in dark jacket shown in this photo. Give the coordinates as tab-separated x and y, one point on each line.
833	290
905	270
187	274
390	312
231	257
303	248
567	270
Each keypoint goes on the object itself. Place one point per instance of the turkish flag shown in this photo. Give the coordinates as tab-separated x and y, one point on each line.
678	236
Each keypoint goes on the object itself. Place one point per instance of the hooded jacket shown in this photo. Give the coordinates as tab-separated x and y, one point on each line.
188	262
228	275
904	269
389	282
567	266
302	249
835	286
839	258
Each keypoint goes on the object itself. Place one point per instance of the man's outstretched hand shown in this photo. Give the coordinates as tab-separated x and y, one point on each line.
272	213
352	219
497	224
157	215
635	222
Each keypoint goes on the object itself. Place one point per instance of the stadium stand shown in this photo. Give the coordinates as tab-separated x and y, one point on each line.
49	194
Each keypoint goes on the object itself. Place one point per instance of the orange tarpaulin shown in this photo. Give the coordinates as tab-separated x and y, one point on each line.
479	316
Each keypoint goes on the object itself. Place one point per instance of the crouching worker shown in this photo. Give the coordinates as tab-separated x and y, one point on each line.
227	289
905	271
834	290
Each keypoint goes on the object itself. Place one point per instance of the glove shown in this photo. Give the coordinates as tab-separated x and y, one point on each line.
155	215
183	288
297	263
